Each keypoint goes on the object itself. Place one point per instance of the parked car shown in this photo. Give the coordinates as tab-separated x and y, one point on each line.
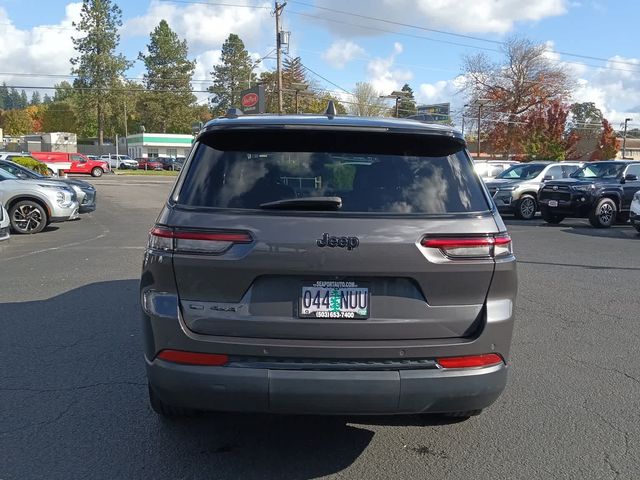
599	191
515	190
634	213
149	164
327	265
169	163
85	192
4	223
92	157
34	204
78	162
122	162
487	169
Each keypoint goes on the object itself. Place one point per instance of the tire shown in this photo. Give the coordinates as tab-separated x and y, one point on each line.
550	217
97	172
165	410
637	227
122	166
526	207
603	215
28	217
51	172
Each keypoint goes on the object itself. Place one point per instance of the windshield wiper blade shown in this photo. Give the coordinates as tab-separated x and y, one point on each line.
305	203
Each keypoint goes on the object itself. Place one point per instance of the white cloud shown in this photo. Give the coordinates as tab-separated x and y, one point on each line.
477	16
45	49
383	76
342	52
204	26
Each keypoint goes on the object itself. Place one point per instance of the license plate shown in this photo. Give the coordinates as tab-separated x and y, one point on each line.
553	203
334	300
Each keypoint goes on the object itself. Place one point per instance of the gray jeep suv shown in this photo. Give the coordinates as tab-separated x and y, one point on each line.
327	265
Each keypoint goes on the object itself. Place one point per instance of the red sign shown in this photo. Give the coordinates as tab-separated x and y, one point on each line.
249	100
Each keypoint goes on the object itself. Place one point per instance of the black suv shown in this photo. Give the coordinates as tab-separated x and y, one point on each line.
600	191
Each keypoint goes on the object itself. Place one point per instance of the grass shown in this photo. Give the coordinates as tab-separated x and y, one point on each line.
162	173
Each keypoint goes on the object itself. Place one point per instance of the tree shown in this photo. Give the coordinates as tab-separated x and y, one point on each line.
168	83
586	123
64	91
607	147
231	75
366	101
14	99
545	134
4	96
406	104
47	99
24	100
522	80
16	122
35	98
97	65
36	114
59	117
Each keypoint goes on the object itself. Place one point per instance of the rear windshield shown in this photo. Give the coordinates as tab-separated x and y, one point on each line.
370	173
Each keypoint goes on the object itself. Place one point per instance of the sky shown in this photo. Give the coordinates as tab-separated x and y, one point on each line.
384	42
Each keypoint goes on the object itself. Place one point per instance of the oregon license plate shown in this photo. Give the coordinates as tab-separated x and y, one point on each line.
328	299
553	203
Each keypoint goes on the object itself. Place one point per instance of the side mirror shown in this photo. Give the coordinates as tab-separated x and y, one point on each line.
547	177
630	177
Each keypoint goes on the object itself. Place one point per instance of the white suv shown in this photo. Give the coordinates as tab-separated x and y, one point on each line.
120	161
634	214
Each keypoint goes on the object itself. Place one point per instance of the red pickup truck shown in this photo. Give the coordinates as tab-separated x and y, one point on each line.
79	163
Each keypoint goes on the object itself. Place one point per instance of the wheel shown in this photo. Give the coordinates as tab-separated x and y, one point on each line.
550	217
604	213
526	207
97	172
122	166
50	172
27	217
165	410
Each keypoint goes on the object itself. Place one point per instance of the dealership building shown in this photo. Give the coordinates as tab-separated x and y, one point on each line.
152	145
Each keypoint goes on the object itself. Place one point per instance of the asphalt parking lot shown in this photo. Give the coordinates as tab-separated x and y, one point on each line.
73	400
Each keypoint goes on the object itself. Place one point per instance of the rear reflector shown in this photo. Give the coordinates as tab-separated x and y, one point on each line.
470	361
193	358
162	238
471	247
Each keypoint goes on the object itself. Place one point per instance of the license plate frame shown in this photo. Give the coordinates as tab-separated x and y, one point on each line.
553	203
325	299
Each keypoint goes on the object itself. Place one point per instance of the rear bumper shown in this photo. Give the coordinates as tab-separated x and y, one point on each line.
349	392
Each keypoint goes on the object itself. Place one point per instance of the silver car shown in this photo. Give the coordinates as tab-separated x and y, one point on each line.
327	265
34	204
634	213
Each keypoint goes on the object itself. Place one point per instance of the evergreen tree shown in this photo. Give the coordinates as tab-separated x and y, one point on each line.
14	99
64	91
97	65
35	98
4	96
168	83
293	71
46	99
24	100
406	104
231	75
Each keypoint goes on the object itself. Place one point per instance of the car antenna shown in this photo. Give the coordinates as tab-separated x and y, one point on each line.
331	110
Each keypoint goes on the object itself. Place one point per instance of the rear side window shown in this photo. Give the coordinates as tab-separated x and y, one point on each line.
371	173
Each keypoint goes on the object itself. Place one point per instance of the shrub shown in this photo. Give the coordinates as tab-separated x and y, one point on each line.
31	163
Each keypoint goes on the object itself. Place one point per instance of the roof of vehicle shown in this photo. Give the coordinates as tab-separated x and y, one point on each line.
345	122
621	162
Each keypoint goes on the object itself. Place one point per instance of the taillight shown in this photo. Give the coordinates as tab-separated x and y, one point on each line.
193	358
470	361
471	247
181	241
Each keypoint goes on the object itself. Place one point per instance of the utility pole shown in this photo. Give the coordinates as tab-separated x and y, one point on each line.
481	102
126	130
277	12
624	138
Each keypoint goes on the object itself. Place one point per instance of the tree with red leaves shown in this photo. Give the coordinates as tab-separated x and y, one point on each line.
544	135
608	145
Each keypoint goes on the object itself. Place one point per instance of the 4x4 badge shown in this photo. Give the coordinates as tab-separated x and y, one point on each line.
343	242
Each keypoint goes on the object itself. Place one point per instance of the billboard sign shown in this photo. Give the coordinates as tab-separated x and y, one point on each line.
252	100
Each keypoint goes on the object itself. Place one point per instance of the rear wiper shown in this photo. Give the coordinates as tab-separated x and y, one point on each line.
305	203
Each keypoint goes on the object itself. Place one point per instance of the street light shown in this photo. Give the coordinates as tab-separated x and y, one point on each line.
397	95
298	87
624	138
480	102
